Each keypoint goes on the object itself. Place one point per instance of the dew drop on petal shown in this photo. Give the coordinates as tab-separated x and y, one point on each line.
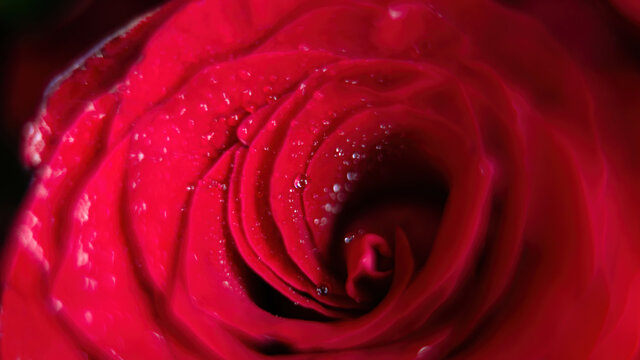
244	74
57	304
396	13
322	290
423	352
88	317
299	182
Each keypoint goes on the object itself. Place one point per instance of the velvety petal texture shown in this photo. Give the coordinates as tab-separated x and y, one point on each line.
334	180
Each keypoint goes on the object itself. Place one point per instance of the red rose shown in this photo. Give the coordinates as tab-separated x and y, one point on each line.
334	180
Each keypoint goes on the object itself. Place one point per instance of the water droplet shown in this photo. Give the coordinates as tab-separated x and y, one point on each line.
82	209
352	176
422	353
322	290
348	239
88	317
90	283
356	155
336	187
244	74
299	182
82	258
396	12
57	304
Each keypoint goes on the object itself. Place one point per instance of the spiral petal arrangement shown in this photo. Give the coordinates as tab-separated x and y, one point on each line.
323	180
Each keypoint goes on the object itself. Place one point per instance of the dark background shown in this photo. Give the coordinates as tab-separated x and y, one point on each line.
38	40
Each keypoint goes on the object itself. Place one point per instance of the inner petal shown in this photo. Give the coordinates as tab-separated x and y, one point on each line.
368	266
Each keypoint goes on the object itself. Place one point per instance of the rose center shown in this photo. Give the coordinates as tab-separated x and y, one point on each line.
402	194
